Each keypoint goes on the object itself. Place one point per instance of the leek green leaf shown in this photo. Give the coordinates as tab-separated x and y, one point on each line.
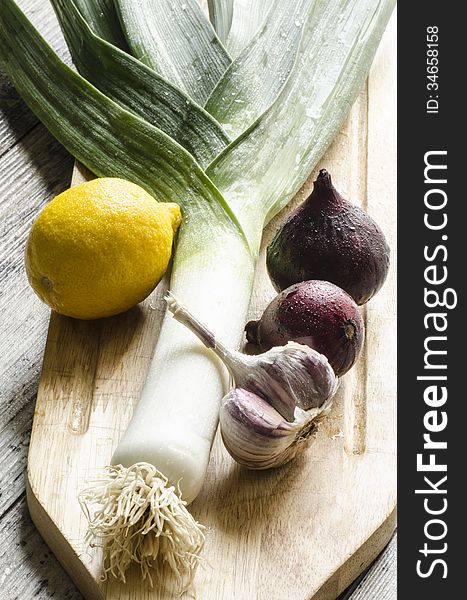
257	173
253	80
109	140
140	89
176	39
220	15
102	17
248	16
262	170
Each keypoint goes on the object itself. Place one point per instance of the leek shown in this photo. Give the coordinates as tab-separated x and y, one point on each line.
176	40
101	16
247	89
247	18
145	93
220	15
224	207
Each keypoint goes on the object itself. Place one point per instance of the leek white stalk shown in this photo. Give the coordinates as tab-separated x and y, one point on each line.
175	421
175	433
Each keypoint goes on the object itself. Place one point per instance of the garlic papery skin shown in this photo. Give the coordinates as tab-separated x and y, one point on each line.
258	437
285	377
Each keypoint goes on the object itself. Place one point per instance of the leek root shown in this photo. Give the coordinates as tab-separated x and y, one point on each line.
142	516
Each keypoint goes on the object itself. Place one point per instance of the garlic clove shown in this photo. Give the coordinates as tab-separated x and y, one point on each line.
264	375
291	375
286	376
257	436
253	432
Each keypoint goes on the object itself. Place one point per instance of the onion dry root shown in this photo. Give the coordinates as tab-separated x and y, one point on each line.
142	518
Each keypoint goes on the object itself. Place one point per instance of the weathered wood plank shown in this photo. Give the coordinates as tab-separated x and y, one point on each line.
33	168
29	570
32	172
380	582
15	117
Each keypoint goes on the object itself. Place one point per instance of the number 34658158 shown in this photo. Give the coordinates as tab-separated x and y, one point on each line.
432	57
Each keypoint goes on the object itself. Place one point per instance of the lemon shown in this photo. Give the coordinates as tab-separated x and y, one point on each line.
100	247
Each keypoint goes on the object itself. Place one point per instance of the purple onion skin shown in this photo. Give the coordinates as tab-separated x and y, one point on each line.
318	314
331	239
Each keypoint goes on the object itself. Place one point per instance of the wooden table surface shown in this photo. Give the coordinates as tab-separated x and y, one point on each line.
33	169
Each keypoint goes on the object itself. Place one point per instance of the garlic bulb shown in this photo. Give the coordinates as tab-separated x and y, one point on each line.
277	401
257	436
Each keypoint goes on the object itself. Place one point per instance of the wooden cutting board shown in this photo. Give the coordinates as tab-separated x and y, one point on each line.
303	531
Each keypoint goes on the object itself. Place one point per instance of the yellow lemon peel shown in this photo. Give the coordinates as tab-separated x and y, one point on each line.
100	247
